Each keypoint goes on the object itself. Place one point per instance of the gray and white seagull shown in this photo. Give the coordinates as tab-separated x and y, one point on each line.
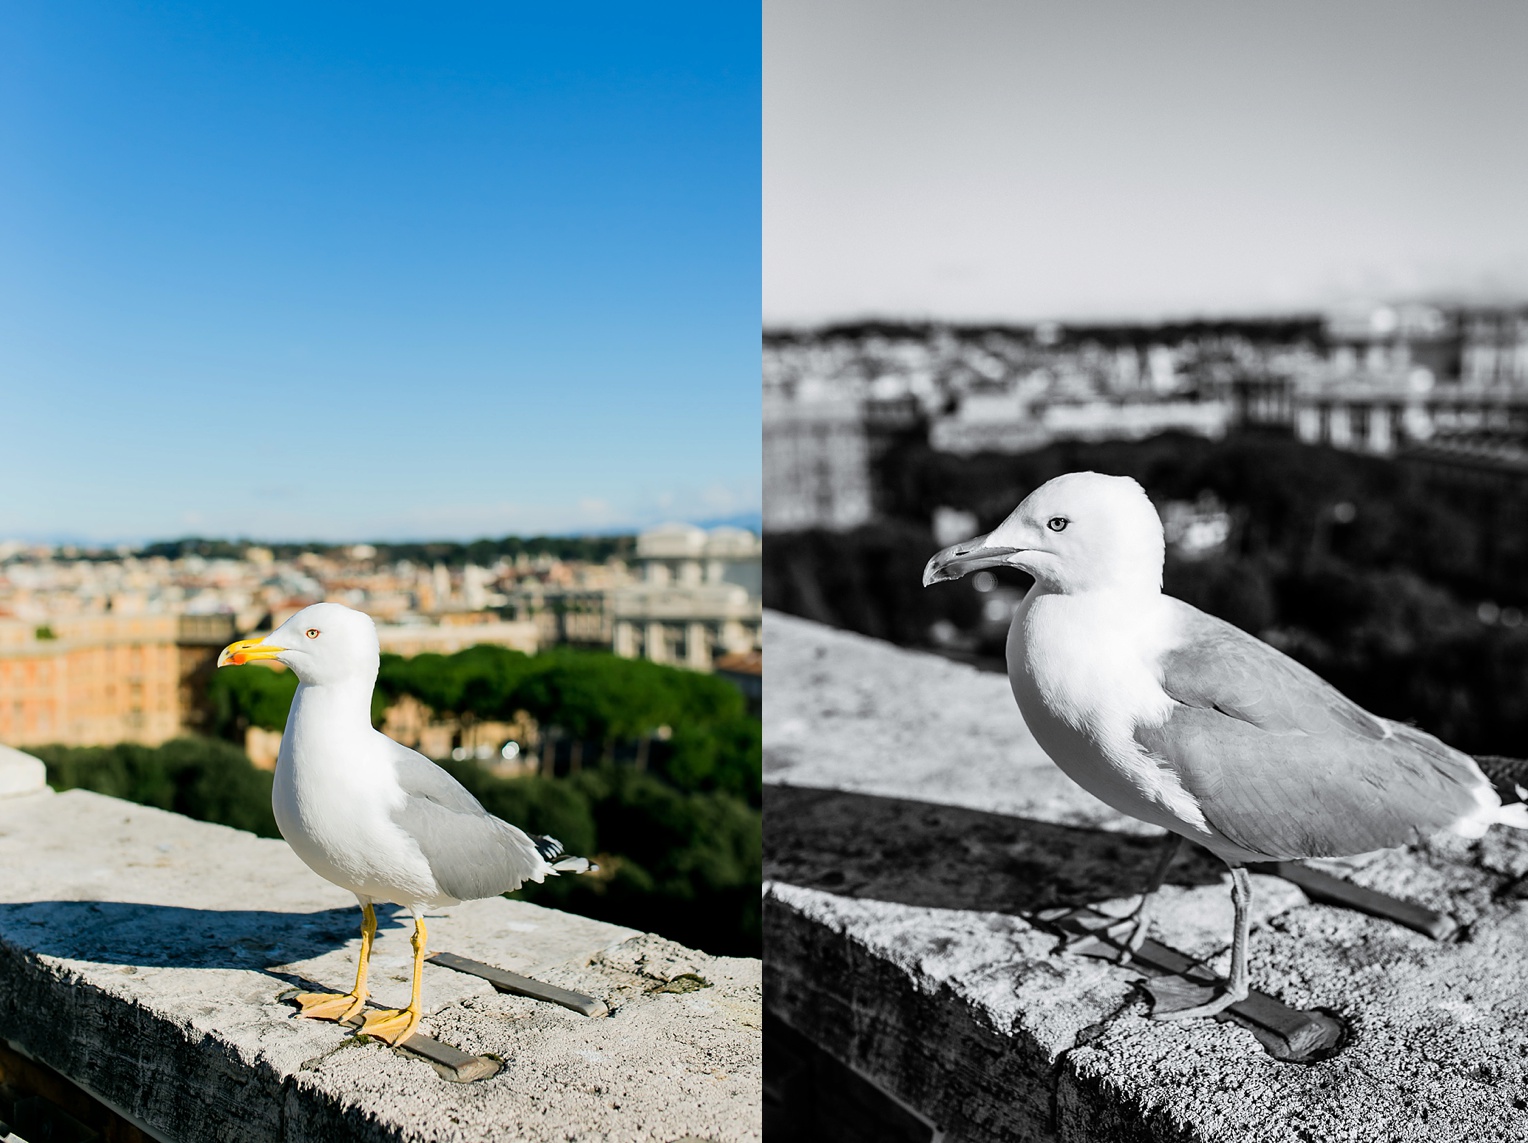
1182	720
373	816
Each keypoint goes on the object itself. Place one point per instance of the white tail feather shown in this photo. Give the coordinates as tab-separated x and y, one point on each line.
1515	815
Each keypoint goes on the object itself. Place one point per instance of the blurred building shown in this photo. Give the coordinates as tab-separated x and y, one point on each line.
699	597
199	639
91	680
745	670
572	608
1386	379
1494	348
816	464
456	632
841	403
1406	379
1009	424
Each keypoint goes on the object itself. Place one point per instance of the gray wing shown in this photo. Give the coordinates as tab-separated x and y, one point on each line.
1285	765
471	853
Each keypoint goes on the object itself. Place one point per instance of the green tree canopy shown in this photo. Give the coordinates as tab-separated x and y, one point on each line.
713	743
199	777
683	864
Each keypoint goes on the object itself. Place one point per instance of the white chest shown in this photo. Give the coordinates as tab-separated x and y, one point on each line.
1083	673
334	799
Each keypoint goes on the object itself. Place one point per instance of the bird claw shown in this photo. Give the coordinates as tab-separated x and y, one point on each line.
1182	998
338	1006
391	1025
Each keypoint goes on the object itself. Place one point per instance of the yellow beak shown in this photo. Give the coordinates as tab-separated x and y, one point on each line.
247	651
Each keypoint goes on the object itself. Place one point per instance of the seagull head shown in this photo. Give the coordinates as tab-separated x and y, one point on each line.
325	643
1078	532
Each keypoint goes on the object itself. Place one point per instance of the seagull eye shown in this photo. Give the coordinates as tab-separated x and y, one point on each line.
1057	523
312	632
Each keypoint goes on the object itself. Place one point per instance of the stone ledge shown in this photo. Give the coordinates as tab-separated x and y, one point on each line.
21	773
914	830
142	955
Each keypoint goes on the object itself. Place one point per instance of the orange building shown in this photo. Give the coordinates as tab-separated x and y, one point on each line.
91	680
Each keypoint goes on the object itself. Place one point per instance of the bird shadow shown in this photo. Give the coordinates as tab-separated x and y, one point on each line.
951	857
170	936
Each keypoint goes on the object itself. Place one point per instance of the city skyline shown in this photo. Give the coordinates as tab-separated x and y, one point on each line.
354	275
1028	162
10	545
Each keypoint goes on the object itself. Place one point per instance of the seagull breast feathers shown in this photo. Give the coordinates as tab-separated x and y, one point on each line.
470	852
1284	766
1082	670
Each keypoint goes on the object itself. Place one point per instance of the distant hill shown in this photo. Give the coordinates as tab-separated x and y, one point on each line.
753	521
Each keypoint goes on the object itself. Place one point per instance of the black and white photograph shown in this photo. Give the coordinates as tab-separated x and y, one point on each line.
1145	423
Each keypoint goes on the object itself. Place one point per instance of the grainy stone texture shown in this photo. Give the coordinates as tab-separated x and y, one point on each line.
914	825
142	955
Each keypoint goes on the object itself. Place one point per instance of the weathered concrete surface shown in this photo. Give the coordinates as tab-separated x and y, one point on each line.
913	825
142	954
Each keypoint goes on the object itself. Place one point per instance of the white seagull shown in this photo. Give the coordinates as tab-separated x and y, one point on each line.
373	816
1184	721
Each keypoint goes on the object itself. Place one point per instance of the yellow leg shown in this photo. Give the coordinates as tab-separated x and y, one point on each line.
397	1025
342	1006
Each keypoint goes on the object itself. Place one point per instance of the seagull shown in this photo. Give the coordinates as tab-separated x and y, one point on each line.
373	816
1184	721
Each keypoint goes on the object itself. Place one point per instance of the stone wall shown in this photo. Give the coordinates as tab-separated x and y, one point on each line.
144	957
916	834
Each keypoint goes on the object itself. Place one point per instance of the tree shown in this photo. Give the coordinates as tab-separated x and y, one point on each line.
200	777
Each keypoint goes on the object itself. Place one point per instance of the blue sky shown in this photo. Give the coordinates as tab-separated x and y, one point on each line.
385	270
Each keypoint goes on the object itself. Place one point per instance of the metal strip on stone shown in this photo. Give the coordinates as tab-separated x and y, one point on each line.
513	982
1290	1034
1331	890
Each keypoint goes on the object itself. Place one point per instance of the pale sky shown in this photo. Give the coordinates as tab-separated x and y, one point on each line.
975	160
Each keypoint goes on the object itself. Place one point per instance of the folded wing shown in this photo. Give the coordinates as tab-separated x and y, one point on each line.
1285	766
471	853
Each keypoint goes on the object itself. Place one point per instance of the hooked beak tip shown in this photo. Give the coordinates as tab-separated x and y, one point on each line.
960	560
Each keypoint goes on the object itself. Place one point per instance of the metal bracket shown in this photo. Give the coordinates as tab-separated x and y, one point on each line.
1292	1034
451	1062
513	982
1331	890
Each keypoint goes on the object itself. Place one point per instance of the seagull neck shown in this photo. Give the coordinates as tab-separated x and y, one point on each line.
1113	594
345	705
1130	594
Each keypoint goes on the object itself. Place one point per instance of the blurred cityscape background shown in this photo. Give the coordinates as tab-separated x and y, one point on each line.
603	689
363	286
1351	487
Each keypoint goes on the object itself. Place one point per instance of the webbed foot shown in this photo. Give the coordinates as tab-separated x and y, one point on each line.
1181	998
339	1006
392	1025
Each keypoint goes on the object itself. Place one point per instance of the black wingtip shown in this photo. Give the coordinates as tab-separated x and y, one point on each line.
549	847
